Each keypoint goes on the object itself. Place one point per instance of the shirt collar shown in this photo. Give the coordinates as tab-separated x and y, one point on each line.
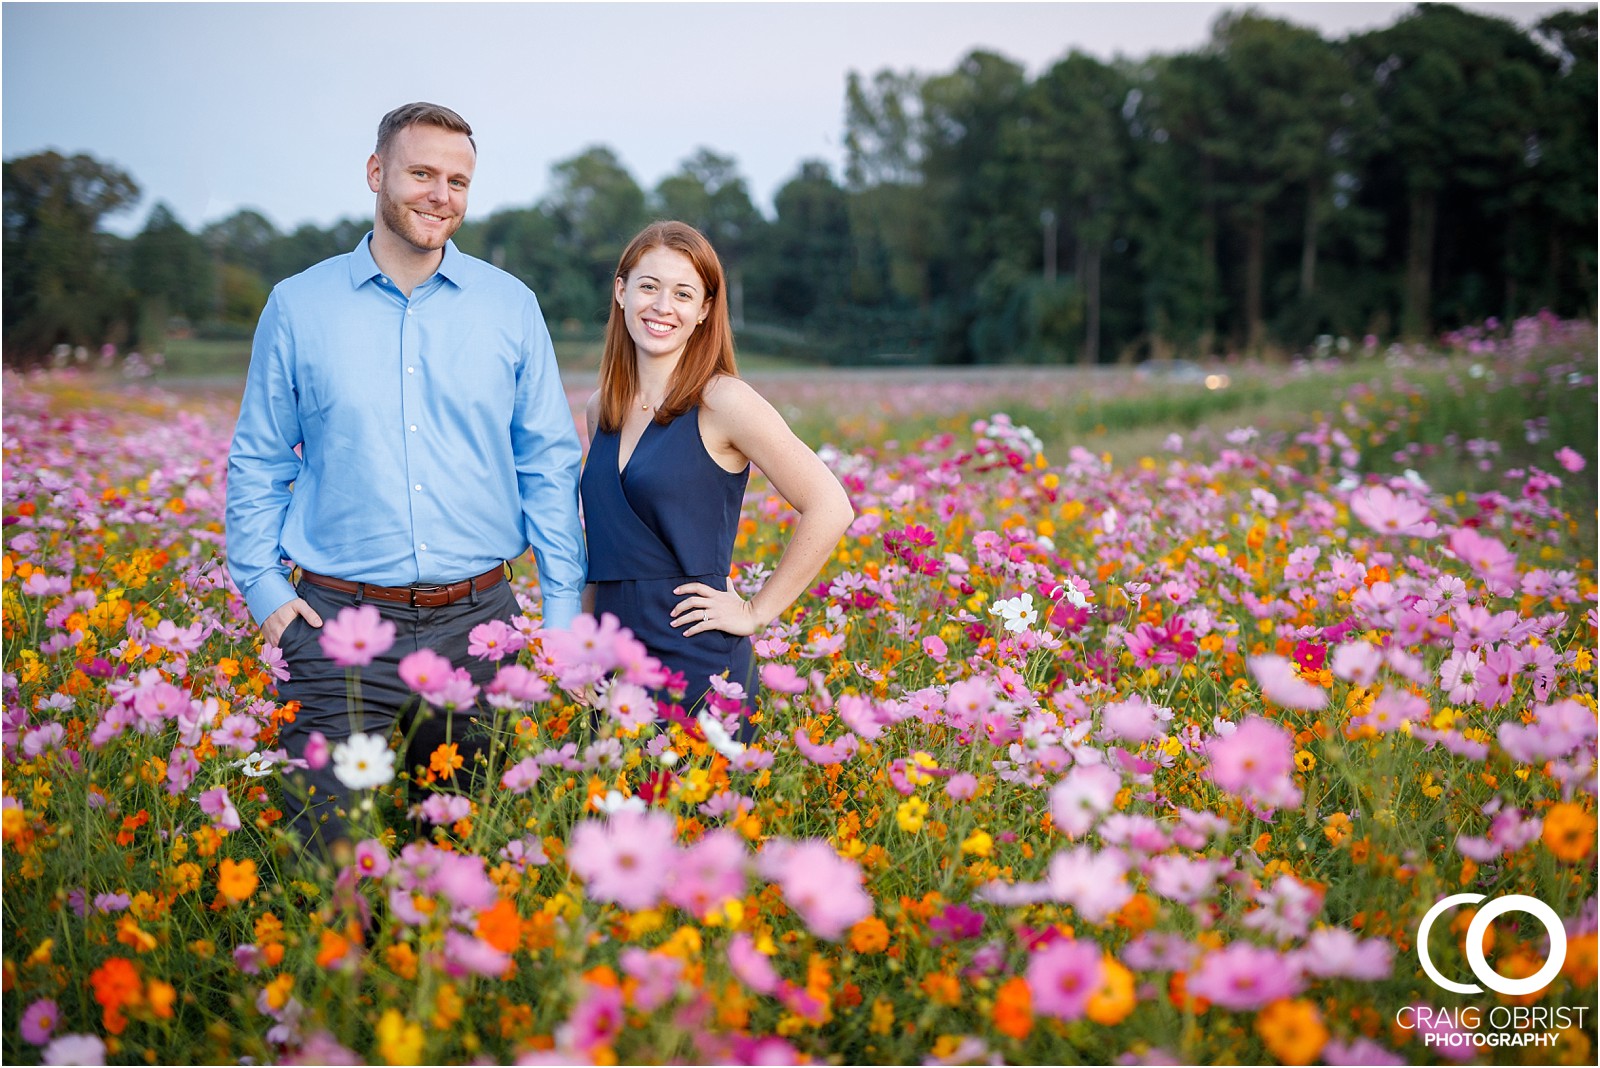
363	268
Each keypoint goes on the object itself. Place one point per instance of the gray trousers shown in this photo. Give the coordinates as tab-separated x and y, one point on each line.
377	700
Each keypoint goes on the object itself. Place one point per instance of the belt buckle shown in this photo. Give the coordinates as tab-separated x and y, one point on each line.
424	587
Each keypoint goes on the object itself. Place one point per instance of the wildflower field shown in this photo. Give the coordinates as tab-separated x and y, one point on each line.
1064	760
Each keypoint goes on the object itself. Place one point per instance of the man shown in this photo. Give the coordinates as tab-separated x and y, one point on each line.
403	434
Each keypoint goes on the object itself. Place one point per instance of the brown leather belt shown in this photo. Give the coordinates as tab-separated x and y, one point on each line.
420	595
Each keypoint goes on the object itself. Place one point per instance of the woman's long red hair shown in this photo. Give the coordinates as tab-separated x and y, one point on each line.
710	349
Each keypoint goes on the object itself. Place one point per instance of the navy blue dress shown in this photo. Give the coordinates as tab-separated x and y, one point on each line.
669	518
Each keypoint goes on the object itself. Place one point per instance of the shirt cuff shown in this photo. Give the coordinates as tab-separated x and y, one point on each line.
269	595
559	612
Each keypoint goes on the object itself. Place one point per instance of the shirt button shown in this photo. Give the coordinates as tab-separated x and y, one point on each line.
423	546
408	311
413	428
384	279
411	370
418	487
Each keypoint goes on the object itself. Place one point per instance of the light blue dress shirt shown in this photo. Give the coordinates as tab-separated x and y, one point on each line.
391	440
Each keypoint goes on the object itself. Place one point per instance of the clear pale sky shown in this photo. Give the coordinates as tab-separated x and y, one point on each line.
213	107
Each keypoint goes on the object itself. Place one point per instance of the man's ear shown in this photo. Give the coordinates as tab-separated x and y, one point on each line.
374	172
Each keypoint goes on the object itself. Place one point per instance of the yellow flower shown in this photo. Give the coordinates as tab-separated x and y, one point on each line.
399	1042
978	843
882	1016
910	814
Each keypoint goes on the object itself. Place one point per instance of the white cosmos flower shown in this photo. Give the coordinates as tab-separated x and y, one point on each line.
1018	613
717	735
614	802
363	761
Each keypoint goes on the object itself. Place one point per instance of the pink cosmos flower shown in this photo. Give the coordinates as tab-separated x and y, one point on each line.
751	965
824	755
466	954
1086	791
1063	976
39	1021
1133	720
631	706
1183	878
1381	509
859	715
596	1020
1393	708
357	636
587	651
1282	685
1333	952
317	751
709	873
1094	883
520	777
215	803
1570	459
425	671
442	809
656	973
371	859
782	678
962	786
494	640
1359	1051
821	886
1458	675
1357	662
1243	977
935	648
515	685
1490	560
1256	762
625	859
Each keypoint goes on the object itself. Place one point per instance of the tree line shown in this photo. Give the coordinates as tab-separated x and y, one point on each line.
1267	188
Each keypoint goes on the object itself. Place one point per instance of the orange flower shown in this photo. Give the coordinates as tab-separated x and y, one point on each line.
129	933
871	935
1013	1008
402	960
942	988
236	880
1568	831
445	760
116	986
500	926
1292	1030
161	996
333	950
1114	999
1580	964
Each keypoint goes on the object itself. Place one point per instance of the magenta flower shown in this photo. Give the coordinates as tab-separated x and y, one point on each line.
597	1019
824	755
39	1021
1489	559
1282	685
182	767
317	751
1134	720
625	859
357	636
963	786
1333	952
1063	976
1570	460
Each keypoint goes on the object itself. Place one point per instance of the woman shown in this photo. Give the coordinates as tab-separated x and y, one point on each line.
673	431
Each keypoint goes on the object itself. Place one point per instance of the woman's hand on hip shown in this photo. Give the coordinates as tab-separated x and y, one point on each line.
706	608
